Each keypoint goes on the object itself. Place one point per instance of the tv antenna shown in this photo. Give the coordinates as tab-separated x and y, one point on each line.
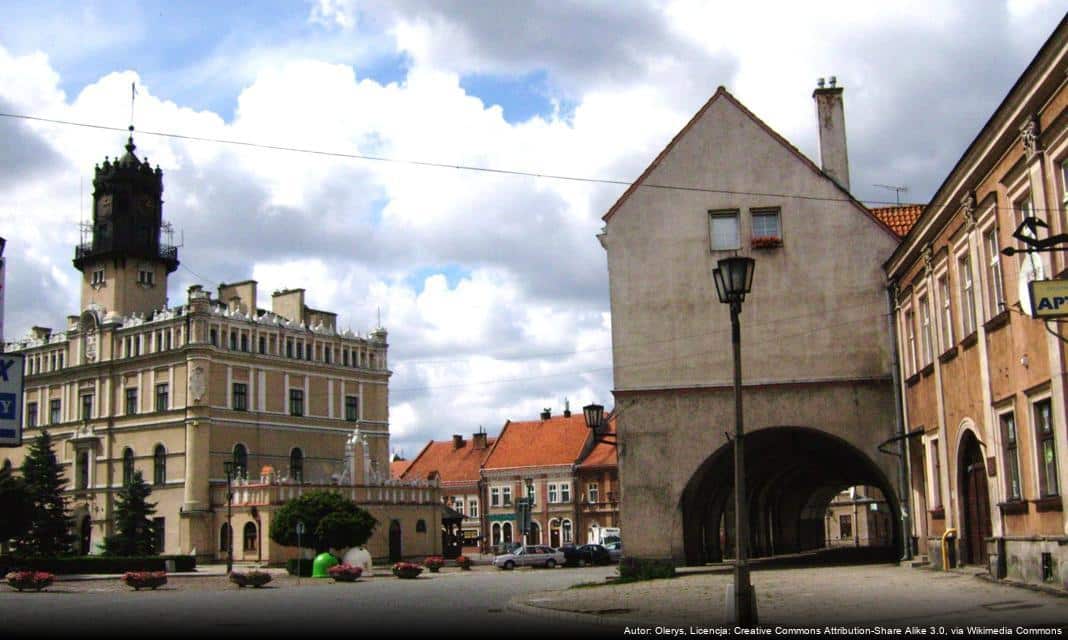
897	190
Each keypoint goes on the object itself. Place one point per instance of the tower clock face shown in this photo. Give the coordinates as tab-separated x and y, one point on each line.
103	206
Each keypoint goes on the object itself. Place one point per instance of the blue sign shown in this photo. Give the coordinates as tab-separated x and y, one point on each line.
11	368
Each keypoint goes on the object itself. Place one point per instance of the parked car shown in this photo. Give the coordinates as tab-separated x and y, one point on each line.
530	556
615	550
586	554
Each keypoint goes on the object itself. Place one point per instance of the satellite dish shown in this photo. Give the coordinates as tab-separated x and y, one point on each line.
1030	269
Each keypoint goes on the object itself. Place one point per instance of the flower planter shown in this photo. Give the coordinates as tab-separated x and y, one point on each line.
35	580
145	579
434	563
254	579
407	570
766	242
464	563
345	573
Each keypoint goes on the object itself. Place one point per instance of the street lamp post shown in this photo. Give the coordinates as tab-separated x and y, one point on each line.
734	277
228	467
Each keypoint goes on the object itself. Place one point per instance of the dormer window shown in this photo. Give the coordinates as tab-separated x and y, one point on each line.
97	280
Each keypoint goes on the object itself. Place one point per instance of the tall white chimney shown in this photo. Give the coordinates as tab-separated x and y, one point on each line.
830	114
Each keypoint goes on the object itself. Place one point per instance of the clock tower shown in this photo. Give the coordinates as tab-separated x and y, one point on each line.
123	261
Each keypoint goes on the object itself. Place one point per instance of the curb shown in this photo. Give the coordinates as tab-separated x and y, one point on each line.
1040	588
517	605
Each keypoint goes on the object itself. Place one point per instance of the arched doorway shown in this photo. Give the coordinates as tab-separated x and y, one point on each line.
394	541
85	546
975	501
534	533
792	476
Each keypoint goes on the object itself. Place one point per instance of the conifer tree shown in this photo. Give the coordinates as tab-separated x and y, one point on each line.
49	530
134	531
14	505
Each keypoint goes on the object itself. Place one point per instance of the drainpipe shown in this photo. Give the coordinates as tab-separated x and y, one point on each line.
899	416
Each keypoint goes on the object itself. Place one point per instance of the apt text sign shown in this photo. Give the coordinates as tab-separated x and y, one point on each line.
1049	298
11	368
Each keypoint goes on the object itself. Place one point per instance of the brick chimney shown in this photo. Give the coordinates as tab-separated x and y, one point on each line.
830	116
546	413
457	441
478	440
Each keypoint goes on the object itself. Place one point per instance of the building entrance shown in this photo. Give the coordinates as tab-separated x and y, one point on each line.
976	502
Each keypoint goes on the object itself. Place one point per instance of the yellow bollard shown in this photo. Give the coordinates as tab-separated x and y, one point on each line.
945	550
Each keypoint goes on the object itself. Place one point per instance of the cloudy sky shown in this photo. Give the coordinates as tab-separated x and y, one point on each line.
492	285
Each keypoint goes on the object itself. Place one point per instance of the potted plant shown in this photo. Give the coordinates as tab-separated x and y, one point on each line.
145	579
434	563
22	580
766	242
407	570
253	578
463	562
345	572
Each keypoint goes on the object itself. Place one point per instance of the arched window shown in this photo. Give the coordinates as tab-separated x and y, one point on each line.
250	536
224	537
127	466
420	526
240	460
83	470
496	533
567	532
296	465
159	466
506	531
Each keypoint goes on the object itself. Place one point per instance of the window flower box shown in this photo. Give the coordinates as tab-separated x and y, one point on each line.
765	242
434	563
254	579
35	580
407	570
463	562
345	572
145	579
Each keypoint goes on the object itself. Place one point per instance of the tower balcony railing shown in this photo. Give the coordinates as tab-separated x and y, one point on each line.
87	249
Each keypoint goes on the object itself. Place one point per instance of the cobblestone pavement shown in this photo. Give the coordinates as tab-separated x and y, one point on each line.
882	595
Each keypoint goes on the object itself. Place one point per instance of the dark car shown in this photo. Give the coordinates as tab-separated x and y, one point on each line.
585	555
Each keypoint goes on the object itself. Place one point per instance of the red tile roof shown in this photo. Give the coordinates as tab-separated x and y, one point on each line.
453	464
398	467
558	440
603	454
900	218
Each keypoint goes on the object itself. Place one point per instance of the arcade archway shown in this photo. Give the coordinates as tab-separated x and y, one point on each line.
793	474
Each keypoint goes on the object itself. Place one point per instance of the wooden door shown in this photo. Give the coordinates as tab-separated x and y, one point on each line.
976	506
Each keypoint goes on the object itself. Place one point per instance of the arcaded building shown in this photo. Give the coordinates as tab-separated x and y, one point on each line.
134	383
983	380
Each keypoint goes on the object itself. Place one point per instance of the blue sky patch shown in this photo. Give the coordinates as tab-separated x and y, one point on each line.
521	97
453	274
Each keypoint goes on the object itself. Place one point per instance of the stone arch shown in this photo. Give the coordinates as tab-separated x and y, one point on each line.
792	473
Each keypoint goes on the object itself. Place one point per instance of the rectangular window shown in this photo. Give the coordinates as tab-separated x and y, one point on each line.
553	496
565	493
345	357
472	510
326	354
723	230
98	278
1047	450
240	396
591	493
167	341
947	314
845	527
967	295
159	533
233	341
995	293
54	413
300	351
131	401
506	496
87	407
60	359
936	476
352	408
162	396
146	277
31	414
1012	455
296	402
289	348
926	335
214	337
910	343
766	224
495	497
244	342
263	345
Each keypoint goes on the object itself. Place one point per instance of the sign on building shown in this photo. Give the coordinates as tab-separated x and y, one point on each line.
1049	298
11	368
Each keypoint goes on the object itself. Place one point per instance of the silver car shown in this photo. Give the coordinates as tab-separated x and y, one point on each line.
615	550
530	556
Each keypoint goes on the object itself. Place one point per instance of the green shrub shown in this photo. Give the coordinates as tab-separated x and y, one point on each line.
97	564
631	569
305	567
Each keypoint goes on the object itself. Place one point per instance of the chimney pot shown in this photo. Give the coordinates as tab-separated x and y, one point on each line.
546	413
820	83
479	440
457	441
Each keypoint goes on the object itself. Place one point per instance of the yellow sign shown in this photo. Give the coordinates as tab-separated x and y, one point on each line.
1049	298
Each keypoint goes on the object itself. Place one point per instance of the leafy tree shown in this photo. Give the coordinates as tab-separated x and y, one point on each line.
331	521
49	529
135	532
15	506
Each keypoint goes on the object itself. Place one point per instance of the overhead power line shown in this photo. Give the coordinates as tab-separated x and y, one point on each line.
444	165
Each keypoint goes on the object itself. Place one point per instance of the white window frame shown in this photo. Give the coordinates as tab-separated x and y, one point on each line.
766	212
934	462
724	214
565	492
926	335
506	496
992	272
98	278
908	322
472	509
592	492
1040	468
553	495
999	415
945	308
966	292
495	497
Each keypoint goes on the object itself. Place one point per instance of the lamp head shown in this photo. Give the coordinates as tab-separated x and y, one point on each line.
734	278
594	414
